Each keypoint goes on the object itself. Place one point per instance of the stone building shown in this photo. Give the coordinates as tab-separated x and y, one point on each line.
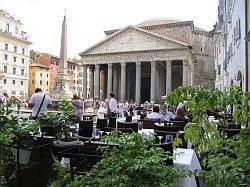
44	68
247	38
14	56
232	66
148	60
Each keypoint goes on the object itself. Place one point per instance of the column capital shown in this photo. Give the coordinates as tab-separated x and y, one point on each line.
123	64
168	63
138	63
153	63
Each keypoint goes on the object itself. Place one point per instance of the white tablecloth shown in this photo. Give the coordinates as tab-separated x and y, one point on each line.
187	159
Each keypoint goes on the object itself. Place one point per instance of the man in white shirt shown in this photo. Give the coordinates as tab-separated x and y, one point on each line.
36	100
155	114
112	103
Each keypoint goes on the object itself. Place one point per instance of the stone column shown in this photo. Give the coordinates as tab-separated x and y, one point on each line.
84	82
168	77
184	73
115	81
192	73
188	74
153	77
123	81
109	86
91	82
138	82
97	80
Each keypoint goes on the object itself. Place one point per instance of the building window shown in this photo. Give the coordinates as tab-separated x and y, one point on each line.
41	82
14	58
23	51
33	82
5	57
6	47
47	75
47	83
5	69
13	92
21	82
5	81
16	30
219	69
7	27
41	74
13	82
14	70
21	93
22	71
22	60
15	49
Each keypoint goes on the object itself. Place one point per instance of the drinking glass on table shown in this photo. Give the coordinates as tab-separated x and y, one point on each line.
169	138
101	133
160	138
108	133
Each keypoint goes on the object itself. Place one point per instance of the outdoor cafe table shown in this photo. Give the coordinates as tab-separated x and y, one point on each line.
185	158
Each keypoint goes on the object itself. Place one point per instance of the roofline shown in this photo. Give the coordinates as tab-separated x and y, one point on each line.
16	38
140	30
39	65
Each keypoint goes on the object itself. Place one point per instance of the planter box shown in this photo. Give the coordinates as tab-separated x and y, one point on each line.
24	155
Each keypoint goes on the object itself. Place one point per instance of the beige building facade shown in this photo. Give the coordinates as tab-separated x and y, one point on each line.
14	57
146	61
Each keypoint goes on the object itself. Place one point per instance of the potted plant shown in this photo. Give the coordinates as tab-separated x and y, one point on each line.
136	162
61	124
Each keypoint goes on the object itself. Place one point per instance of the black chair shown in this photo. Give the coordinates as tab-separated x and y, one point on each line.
180	124
132	125
166	128
168	147
112	122
101	123
148	123
85	128
128	118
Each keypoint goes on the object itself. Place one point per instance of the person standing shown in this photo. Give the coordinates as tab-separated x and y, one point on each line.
78	105
39	103
112	104
4	98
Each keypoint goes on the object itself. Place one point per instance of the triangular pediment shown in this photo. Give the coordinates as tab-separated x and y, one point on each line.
133	39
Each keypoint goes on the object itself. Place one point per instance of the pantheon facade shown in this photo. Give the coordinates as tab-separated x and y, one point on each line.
148	60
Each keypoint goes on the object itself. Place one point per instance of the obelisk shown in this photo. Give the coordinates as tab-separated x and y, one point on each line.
61	88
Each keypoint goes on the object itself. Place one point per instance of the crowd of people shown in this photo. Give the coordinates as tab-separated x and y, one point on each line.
40	102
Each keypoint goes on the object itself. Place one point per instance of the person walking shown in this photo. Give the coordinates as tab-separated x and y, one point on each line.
39	103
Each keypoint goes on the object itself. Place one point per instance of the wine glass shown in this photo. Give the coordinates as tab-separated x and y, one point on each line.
108	133
101	133
160	138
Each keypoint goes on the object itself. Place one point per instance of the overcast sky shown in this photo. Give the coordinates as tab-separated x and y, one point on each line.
87	19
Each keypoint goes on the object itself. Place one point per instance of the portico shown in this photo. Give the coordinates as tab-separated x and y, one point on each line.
138	64
141	80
